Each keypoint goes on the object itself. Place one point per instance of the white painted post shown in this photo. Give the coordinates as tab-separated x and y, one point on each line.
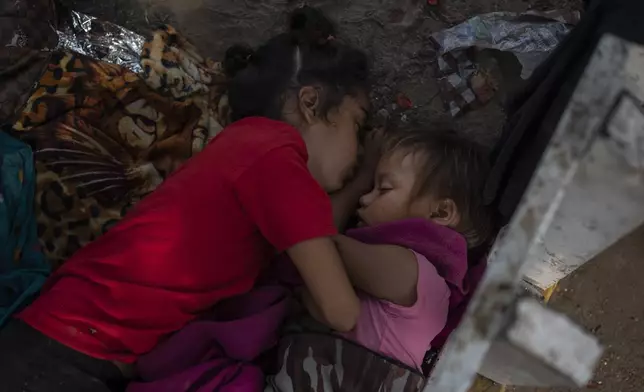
541	348
614	73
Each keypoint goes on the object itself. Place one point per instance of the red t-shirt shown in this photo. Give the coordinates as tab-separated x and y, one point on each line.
205	234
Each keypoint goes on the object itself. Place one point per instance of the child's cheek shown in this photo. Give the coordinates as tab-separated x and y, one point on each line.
386	212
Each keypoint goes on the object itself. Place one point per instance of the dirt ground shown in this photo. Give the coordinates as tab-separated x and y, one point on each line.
395	33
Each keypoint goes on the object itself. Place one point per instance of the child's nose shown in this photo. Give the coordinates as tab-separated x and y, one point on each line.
366	199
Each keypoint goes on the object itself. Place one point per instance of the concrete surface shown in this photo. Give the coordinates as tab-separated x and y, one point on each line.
603	296
603	200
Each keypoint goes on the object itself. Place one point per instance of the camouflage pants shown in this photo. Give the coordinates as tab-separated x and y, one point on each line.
325	362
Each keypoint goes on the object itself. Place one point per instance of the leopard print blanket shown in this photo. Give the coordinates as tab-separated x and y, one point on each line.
104	137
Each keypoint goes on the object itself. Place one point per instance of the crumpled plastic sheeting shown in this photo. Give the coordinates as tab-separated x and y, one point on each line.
19	39
101	40
530	36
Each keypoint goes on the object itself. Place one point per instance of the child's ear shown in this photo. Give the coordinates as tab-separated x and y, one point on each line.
309	100
446	213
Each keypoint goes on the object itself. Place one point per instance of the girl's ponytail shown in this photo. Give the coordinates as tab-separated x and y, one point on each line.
237	58
310	28
306	55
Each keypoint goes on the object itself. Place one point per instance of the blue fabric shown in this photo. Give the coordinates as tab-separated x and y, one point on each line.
23	268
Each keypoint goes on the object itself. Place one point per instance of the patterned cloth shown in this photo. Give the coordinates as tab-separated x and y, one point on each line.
104	137
325	362
23	268
26	35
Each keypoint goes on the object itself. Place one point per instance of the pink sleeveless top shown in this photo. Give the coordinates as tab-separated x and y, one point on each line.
405	333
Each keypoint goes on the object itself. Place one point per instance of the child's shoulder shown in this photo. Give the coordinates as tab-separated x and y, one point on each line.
428	274
432	291
260	133
245	143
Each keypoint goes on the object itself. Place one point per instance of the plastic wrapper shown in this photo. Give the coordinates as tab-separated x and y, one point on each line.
101	40
530	36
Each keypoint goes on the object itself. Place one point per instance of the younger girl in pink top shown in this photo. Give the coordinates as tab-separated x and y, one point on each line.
427	192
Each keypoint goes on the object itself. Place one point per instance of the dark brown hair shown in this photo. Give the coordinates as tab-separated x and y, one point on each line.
308	54
451	168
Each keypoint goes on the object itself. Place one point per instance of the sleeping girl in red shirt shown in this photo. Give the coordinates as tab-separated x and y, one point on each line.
260	187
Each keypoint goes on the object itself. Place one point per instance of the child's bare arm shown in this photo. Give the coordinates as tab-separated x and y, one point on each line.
320	266
311	306
387	272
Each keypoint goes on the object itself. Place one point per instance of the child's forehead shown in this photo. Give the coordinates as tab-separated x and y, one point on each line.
359	101
402	159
